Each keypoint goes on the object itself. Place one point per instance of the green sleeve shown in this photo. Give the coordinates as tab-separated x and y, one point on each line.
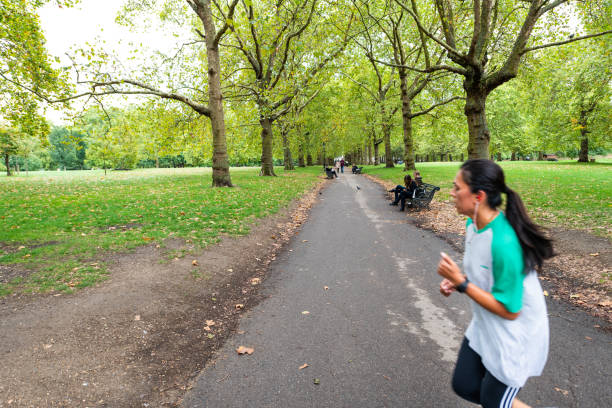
508	269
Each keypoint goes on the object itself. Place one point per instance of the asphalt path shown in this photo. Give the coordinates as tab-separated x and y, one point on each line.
355	296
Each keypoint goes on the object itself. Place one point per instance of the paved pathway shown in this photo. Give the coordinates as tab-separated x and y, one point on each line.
380	335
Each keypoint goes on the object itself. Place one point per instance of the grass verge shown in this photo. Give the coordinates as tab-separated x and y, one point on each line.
55	227
559	194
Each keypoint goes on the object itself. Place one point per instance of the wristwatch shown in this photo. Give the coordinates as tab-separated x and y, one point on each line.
462	286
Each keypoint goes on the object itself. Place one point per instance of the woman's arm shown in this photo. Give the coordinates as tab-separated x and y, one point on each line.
450	270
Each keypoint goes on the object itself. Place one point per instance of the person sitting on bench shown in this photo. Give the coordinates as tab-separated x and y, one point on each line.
404	192
331	173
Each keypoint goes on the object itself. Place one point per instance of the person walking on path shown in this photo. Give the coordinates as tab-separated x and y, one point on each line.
507	339
342	163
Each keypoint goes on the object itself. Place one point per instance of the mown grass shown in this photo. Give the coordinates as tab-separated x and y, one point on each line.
57	226
560	194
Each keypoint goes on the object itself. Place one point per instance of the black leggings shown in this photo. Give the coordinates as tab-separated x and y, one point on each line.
472	381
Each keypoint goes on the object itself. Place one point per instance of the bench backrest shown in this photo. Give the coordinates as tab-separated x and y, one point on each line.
426	190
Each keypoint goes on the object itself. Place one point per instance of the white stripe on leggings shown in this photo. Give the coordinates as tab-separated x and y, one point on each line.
506	401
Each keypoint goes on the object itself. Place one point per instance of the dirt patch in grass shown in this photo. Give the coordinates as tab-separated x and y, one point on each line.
139	338
580	273
10	272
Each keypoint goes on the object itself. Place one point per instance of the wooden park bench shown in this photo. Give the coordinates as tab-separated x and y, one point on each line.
423	195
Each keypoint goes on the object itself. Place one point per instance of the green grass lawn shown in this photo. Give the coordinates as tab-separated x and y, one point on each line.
561	194
61	224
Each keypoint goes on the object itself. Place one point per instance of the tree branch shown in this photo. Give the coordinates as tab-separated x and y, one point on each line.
423	112
571	40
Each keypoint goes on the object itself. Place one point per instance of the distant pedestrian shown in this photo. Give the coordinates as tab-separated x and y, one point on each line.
507	339
337	166
342	163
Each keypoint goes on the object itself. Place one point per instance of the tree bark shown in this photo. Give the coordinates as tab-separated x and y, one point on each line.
309	159
513	157
287	157
376	160
406	123
6	162
583	156
475	105
301	162
267	158
221	176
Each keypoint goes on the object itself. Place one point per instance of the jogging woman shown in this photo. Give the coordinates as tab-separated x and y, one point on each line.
507	339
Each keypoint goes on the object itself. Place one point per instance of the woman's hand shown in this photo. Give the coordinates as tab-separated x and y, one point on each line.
448	269
446	287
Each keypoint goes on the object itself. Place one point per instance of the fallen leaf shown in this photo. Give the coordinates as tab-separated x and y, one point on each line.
605	303
577	295
47	346
316	381
595	254
21	247
206	328
137	317
561	390
545	293
194	262
244	350
305	312
239	306
304	240
210	322
210	335
255	281
303	366
588	338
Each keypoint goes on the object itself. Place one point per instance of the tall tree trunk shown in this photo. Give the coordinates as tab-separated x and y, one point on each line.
513	157
376	160
309	159
6	162
386	128
475	111
287	157
301	148
406	123
301	162
221	176
267	158
583	156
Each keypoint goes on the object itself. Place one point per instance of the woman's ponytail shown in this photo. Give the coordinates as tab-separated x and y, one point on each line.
485	175
536	245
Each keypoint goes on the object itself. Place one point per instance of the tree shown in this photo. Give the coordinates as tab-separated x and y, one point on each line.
486	46
25	65
282	58
105	77
8	146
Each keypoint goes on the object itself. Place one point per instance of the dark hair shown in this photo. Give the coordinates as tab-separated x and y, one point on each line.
485	175
407	179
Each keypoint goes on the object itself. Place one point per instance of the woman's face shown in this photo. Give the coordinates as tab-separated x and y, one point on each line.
465	200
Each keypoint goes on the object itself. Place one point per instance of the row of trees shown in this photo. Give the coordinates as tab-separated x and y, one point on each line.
344	76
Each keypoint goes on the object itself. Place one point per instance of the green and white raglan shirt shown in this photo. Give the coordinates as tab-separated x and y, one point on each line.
511	350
